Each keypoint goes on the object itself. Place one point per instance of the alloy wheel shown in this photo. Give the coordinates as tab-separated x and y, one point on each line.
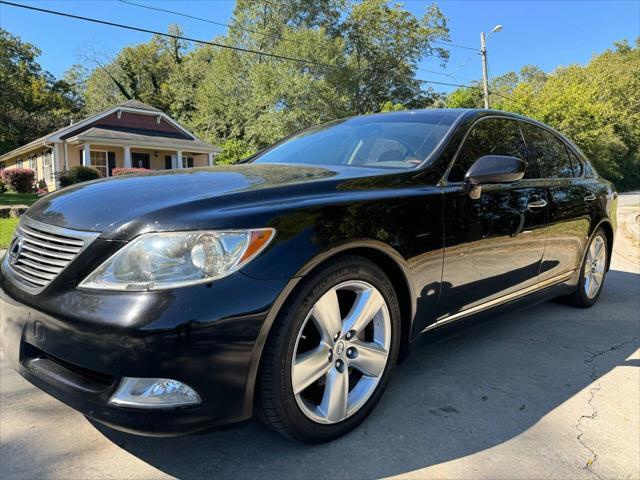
341	352
594	268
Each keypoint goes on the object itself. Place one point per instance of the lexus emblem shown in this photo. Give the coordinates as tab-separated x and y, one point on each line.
340	348
15	248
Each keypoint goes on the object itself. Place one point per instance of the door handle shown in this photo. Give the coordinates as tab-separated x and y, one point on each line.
590	197
537	204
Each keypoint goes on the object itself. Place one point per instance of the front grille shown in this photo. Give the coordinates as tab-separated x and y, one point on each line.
41	252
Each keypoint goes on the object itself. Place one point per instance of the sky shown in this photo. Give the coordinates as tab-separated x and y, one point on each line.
545	33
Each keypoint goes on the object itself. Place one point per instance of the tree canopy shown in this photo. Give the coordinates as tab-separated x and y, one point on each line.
596	105
359	57
32	101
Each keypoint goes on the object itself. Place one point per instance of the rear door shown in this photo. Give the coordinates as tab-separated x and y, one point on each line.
570	202
493	245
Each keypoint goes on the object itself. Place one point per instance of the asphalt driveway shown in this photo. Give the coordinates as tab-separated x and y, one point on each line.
550	392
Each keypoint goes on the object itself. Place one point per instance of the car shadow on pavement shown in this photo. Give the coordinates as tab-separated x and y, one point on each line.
463	390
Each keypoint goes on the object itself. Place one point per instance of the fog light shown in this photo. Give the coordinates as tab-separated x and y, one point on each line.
153	393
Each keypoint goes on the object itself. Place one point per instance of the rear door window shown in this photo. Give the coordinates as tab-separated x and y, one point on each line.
493	136
576	164
548	151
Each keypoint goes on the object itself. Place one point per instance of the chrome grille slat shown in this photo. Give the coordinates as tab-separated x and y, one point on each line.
48	245
34	273
62	256
44	259
38	266
42	252
51	238
39	282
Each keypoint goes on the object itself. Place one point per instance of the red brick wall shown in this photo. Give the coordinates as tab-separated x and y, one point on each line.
130	120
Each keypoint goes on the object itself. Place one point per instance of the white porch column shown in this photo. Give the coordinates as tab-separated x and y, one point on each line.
127	157
86	155
179	159
55	168
210	158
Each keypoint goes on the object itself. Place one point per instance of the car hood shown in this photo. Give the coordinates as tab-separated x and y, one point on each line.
111	204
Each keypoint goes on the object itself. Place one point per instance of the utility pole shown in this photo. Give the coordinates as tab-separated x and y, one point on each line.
485	79
483	54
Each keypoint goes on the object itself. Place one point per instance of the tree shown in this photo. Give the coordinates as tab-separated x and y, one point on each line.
384	44
596	105
139	72
32	101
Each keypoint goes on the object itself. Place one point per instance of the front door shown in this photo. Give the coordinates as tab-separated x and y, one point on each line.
493	245
140	160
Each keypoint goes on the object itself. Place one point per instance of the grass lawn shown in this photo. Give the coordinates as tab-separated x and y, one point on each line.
13	198
7	226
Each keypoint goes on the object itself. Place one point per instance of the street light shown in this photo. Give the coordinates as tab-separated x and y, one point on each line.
483	53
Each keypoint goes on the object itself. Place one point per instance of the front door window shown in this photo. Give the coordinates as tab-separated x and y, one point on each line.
99	162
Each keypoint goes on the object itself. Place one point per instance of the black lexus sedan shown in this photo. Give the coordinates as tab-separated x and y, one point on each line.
287	287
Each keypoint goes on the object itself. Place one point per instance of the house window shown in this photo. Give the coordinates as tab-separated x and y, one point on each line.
33	165
187	162
99	161
19	163
48	171
1	166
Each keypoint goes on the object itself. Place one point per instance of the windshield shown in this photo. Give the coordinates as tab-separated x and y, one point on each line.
402	140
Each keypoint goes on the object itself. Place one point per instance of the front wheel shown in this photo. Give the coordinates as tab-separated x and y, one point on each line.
330	352
592	273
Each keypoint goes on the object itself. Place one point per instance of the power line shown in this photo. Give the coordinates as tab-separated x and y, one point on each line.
461	85
170	35
449	44
437	73
186	15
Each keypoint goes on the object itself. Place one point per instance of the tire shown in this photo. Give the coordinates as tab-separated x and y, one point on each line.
322	411
592	273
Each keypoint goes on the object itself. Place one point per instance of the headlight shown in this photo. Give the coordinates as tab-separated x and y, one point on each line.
156	261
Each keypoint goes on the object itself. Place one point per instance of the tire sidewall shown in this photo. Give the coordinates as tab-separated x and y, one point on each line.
584	299
348	268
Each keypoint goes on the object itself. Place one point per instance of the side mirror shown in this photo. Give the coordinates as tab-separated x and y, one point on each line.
493	169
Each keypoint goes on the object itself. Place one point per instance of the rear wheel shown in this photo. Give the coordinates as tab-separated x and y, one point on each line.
330	352
592	273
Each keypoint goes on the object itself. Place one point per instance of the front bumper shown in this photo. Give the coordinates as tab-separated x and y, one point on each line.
76	345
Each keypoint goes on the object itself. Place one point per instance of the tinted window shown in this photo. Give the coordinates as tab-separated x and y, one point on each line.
493	136
391	141
576	164
548	151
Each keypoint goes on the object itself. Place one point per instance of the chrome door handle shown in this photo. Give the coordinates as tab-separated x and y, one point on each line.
537	204
589	197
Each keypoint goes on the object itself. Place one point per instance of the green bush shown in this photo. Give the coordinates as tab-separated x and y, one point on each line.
77	174
3	187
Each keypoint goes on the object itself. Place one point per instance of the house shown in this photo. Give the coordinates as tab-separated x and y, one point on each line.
131	134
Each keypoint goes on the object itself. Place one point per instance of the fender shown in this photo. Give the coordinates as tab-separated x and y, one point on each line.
314	262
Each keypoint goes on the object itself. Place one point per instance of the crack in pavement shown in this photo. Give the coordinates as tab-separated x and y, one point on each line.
592	393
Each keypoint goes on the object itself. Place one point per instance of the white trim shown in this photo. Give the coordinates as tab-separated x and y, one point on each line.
179	159
66	156
127	156
106	159
116	109
138	144
86	155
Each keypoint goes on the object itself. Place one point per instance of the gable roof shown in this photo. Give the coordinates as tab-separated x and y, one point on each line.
133	106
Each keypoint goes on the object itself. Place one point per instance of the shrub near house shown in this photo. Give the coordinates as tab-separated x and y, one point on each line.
77	174
19	179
